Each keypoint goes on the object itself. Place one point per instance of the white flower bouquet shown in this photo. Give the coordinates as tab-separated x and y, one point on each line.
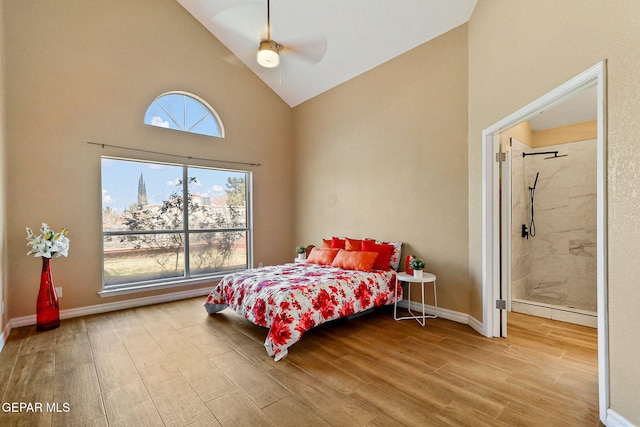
49	243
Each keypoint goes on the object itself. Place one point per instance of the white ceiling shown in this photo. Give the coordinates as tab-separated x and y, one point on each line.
326	42
581	107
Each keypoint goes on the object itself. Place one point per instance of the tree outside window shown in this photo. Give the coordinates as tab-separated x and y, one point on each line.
166	222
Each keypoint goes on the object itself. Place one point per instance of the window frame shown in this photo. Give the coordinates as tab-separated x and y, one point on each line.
205	104
188	278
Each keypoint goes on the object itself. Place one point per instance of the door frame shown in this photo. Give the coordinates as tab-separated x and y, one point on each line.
493	318
506	208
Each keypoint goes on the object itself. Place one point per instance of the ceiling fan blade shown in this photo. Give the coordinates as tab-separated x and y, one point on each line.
247	22
310	49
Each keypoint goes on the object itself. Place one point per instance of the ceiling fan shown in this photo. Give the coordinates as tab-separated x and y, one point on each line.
244	25
269	50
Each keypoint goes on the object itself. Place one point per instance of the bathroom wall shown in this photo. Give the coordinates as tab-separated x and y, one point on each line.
556	267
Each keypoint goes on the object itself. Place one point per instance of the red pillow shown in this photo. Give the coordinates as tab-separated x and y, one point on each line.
337	243
353	244
326	243
383	261
322	256
355	260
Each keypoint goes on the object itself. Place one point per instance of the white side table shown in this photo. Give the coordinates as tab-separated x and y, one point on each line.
408	278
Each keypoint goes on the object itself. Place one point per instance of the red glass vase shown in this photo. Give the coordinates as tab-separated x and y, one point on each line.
47	310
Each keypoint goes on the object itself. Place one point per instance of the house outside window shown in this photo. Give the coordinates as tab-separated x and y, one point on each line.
172	224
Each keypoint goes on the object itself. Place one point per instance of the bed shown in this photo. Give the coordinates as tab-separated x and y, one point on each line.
291	299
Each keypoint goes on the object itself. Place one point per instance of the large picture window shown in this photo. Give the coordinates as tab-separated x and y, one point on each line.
171	223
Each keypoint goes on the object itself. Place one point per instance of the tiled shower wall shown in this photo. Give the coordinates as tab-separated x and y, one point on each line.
558	265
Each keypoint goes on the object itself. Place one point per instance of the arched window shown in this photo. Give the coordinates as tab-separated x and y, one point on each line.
185	112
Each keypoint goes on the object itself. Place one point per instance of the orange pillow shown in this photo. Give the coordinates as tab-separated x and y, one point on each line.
352	244
383	261
322	256
326	243
355	260
337	243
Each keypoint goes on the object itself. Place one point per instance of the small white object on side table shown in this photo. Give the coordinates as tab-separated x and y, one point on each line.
409	278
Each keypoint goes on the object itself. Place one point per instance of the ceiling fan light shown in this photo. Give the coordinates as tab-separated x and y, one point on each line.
268	55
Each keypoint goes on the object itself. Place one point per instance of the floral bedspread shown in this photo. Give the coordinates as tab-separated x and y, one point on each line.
290	299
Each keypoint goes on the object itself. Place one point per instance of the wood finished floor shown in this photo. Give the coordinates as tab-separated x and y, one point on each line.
174	365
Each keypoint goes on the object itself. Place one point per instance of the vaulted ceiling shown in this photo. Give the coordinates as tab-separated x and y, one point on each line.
325	42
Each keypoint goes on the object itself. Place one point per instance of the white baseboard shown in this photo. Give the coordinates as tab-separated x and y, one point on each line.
17	322
4	336
616	420
475	324
575	316
112	306
454	316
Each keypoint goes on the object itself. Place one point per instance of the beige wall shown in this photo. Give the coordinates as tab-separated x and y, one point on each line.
553	136
522	132
520	50
4	317
83	71
565	134
384	156
393	154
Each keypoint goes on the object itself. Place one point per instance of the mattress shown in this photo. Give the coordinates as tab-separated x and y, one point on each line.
290	299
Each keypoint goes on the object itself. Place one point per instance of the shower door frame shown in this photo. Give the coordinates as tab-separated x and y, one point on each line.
494	319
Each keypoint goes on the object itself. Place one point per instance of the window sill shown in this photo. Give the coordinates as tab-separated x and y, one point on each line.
105	293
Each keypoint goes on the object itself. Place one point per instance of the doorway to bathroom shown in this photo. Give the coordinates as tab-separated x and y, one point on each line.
499	222
549	212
